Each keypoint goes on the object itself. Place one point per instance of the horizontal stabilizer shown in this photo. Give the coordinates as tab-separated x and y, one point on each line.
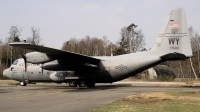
173	56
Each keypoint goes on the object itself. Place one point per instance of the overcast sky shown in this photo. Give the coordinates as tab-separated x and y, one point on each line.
59	20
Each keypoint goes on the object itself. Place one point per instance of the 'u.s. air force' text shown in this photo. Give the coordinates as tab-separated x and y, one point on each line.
174	42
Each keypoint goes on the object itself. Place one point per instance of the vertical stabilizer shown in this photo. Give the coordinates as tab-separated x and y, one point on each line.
173	41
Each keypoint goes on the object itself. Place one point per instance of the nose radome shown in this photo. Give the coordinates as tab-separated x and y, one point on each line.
6	73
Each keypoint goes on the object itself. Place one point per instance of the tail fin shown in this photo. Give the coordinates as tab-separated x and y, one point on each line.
173	41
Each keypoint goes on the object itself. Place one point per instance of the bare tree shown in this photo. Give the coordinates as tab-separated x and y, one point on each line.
123	47
1	45
195	44
198	49
70	45
181	70
131	40
138	41
35	36
15	32
89	46
105	44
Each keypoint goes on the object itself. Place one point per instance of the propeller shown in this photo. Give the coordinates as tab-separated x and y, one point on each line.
25	62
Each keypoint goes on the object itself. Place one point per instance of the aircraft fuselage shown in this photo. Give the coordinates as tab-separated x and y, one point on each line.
111	69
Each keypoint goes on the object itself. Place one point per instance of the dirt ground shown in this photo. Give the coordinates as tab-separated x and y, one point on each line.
179	85
155	80
145	98
8	82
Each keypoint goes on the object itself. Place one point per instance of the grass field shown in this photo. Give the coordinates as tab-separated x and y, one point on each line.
156	102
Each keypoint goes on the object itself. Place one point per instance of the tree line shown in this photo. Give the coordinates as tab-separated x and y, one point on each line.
91	46
131	40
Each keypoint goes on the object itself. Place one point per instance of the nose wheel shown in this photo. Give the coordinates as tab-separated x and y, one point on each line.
22	83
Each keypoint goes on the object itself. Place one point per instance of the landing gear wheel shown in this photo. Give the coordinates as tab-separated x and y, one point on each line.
91	84
22	83
82	84
72	84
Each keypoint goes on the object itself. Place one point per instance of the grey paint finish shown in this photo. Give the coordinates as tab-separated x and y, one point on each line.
172	44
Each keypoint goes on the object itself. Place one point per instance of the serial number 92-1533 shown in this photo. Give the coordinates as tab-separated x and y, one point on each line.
174	48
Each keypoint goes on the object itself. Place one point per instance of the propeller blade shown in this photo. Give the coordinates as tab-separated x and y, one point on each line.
25	62
42	68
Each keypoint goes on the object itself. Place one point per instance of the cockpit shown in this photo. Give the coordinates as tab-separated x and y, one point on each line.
15	62
20	62
14	69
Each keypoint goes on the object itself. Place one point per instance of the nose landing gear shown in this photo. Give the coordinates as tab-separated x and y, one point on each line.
22	83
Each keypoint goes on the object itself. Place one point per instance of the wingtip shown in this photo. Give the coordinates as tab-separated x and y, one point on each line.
18	43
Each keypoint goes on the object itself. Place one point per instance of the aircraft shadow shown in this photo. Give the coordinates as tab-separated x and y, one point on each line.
66	88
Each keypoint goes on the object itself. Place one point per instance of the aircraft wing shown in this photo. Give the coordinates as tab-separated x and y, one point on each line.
60	55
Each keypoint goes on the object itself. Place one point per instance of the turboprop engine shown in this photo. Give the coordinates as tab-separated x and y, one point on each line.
38	57
55	66
58	76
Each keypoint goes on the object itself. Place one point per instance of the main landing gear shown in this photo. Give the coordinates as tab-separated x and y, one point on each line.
80	83
72	83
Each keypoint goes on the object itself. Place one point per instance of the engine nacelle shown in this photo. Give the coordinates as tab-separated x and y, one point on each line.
58	76
54	66
38	57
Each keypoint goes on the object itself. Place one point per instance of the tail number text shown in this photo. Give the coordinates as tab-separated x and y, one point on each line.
174	42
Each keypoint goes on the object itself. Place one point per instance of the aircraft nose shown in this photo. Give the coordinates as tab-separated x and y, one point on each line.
6	73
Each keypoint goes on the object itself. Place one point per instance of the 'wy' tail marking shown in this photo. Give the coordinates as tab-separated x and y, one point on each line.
172	40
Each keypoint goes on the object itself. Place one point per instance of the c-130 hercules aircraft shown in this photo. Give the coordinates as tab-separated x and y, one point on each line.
172	43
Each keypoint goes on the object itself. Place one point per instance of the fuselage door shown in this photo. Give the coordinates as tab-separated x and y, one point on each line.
24	75
39	71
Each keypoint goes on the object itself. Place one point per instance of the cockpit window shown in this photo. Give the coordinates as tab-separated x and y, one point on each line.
15	62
